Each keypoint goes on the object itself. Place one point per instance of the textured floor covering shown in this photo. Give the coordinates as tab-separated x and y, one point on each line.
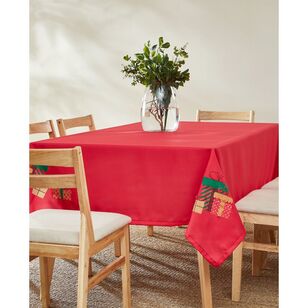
164	275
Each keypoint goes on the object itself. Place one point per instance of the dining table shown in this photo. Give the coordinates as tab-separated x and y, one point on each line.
193	176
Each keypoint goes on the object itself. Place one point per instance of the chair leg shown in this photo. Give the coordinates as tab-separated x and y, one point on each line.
273	237
129	242
117	245
90	271
237	272
83	266
117	248
267	237
51	264
150	230
45	299
205	282
126	269
259	257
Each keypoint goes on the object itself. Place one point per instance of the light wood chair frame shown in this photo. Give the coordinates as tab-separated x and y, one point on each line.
87	245
245	116
45	127
263	242
42	128
84	121
205	282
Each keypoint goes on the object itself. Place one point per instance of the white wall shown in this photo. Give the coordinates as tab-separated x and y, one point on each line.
76	50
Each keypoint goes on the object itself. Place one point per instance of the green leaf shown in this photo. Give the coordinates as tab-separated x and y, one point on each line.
159	58
165	45
139	56
146	51
160	41
126	58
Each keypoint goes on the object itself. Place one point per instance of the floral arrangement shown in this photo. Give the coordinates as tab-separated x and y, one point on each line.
155	69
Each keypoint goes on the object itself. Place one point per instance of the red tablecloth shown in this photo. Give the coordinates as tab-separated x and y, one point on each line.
155	177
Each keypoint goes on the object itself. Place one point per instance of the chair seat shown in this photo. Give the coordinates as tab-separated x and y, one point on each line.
260	201
274	184
62	226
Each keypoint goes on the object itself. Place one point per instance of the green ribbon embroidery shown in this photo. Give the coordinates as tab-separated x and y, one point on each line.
41	167
214	184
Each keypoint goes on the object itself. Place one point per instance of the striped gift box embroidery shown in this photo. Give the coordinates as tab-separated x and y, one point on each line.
206	198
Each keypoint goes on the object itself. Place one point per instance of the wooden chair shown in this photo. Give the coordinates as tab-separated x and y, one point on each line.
85	121
46	127
260	208
69	234
246	116
42	128
65	124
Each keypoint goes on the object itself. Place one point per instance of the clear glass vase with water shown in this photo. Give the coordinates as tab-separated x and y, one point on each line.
159	111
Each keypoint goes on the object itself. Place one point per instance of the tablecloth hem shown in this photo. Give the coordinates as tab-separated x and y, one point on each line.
159	223
215	263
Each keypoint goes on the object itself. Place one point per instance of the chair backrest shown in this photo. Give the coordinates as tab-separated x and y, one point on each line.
64	158
42	128
245	116
64	124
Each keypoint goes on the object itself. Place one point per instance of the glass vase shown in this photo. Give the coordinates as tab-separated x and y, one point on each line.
159	111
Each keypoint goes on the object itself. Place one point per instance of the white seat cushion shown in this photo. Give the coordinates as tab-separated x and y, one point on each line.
260	201
274	184
62	226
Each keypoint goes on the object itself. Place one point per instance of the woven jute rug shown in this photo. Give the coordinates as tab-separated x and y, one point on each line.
164	273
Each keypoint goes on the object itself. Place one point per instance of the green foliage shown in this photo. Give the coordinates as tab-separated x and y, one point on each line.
154	68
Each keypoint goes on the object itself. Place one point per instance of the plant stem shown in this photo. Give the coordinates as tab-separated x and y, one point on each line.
166	117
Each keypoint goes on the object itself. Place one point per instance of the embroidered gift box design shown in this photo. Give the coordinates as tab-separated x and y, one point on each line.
39	192
198	206
205	198
62	194
222	205
39	169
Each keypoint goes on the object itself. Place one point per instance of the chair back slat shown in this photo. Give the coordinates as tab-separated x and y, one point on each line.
52	157
53	181
246	116
46	127
64	124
